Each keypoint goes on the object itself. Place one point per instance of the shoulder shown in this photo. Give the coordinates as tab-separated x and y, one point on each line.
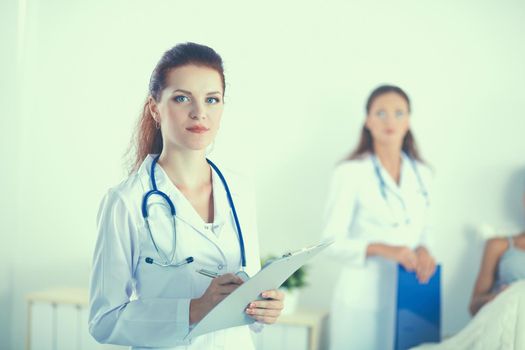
353	169
425	169
129	192
239	184
496	245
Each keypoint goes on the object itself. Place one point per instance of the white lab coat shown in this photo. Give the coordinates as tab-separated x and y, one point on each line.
363	305
147	306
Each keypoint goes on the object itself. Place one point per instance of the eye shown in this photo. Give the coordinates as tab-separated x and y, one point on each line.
212	100
181	99
381	114
400	114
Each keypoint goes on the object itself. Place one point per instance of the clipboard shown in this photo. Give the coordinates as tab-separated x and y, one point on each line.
230	311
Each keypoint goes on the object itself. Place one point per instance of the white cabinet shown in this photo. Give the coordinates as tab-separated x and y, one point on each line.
58	320
300	330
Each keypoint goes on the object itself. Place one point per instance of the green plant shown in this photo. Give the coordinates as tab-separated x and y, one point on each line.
296	280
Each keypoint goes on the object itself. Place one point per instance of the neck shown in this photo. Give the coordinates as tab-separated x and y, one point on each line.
388	154
390	158
186	169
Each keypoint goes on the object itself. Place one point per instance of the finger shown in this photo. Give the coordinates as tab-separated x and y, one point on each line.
228	278
423	278
424	268
263	312
267	304
425	271
273	294
431	271
420	268
419	276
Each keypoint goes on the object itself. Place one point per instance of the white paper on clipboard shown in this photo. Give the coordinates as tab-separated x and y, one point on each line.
230	312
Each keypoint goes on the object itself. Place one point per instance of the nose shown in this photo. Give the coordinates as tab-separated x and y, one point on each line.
198	111
390	119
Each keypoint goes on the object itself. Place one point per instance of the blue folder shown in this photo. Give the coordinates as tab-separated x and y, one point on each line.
418	312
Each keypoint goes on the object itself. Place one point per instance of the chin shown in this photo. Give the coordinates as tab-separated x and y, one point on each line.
200	146
392	140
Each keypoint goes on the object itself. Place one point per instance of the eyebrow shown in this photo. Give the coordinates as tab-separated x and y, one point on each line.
189	93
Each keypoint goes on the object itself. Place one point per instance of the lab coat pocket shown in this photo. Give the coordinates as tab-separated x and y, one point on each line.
162	281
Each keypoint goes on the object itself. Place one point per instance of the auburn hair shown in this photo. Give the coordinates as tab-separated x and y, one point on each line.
147	138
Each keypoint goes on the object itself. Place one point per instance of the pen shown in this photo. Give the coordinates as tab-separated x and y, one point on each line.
241	274
208	273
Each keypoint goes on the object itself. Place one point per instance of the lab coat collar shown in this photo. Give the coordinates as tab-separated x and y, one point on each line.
184	209
406	169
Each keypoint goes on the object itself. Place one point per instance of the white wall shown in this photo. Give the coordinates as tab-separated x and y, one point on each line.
8	154
298	75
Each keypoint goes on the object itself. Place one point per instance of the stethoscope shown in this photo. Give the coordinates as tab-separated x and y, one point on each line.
382	188
168	262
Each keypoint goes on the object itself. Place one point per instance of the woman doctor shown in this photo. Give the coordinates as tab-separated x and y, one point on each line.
377	215
176	214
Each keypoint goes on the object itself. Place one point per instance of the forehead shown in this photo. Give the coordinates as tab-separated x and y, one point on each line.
389	100
196	79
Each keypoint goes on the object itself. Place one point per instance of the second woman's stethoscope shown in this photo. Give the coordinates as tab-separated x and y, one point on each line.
155	191
382	188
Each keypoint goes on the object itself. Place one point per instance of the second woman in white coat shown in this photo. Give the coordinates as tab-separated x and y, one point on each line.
377	214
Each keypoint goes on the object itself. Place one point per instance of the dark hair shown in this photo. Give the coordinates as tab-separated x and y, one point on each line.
147	138
366	141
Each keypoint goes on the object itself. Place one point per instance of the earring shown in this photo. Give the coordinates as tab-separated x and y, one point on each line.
157	125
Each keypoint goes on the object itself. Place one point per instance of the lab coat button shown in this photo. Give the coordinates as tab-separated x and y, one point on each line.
220	267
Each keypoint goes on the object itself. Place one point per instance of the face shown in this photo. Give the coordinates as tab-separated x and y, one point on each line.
388	119
190	108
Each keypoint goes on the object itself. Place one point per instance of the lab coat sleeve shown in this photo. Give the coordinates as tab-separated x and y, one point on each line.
340	209
116	315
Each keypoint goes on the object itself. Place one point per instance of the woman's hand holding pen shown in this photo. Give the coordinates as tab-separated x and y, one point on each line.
219	288
268	310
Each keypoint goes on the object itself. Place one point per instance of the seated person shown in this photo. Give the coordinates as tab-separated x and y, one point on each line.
496	323
503	263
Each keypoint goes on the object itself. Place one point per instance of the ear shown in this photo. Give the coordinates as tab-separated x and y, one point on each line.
367	122
153	109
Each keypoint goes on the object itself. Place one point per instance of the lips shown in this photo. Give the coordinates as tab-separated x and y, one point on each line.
198	129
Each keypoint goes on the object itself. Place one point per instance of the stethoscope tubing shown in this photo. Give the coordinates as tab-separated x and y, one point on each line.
155	191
